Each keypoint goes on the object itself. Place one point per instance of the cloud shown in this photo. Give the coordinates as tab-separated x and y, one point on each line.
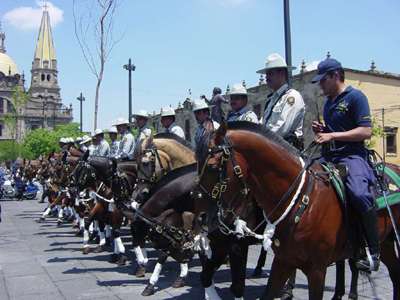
28	18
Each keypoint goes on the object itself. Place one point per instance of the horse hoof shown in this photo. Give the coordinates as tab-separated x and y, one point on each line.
98	249
149	290
113	258
79	233
140	271
86	250
179	282
337	297
59	222
40	220
257	272
353	296
122	260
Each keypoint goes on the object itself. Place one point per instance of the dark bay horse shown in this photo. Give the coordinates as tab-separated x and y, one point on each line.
245	156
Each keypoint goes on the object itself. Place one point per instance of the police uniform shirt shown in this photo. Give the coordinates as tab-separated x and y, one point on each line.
175	129
284	112
91	149
114	148
348	111
126	146
201	130
102	149
244	114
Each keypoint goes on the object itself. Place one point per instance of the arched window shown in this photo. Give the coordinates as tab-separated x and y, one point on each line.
48	77
1	105
43	77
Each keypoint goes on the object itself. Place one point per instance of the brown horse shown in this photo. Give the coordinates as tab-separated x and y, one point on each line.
248	157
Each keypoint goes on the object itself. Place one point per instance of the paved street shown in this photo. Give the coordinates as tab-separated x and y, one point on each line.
43	261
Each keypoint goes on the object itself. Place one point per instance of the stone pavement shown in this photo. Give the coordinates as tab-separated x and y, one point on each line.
43	261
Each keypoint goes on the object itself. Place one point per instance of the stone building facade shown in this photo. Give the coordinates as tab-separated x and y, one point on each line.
382	90
43	108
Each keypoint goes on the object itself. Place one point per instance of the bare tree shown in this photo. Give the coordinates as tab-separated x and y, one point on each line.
94	23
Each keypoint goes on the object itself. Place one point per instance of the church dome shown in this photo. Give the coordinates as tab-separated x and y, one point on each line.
7	65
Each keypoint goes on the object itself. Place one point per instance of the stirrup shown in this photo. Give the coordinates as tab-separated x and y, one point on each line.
369	264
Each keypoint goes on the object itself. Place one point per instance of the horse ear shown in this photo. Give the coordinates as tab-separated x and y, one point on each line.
85	156
114	165
220	133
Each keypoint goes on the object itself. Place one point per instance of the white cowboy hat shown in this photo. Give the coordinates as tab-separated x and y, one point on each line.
141	113
238	89
85	139
62	140
121	121
70	140
113	129
274	61
98	131
167	112
78	139
199	105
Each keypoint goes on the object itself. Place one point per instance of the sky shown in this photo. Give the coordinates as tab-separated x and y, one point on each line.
177	45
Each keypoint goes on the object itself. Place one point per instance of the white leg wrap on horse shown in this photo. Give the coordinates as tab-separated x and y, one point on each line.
60	213
139	256
156	274
184	270
102	238
108	231
119	245
85	238
241	298
81	224
144	251
91	227
211	293
46	212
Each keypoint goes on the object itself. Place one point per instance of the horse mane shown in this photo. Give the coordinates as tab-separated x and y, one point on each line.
172	175
265	132
172	136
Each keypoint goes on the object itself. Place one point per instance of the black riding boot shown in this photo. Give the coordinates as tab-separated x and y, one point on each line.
370	227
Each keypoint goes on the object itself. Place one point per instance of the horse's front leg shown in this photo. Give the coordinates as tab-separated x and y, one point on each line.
353	295
340	281
280	272
316	282
238	261
150	288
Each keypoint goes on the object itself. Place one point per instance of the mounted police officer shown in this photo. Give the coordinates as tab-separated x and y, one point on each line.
347	125
238	101
114	145
284	111
144	130
86	145
102	147
168	122
203	117
127	143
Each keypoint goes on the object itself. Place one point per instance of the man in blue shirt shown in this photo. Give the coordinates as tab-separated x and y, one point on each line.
347	125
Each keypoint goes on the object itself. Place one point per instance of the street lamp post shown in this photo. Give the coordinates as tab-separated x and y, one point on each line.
130	67
288	42
81	99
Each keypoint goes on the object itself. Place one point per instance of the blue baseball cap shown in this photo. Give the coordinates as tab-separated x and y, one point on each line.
325	66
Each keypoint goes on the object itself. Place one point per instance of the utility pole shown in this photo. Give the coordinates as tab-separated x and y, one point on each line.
130	67
288	42
81	99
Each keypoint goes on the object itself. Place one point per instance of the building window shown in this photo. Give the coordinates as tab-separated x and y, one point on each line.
10	107
48	77
187	130
43	77
1	106
391	140
257	110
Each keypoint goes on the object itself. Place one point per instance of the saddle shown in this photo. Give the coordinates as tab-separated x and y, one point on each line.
337	174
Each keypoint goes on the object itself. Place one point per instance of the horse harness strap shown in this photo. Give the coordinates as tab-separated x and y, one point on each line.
305	200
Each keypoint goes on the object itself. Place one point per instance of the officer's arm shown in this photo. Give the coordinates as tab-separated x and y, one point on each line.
357	134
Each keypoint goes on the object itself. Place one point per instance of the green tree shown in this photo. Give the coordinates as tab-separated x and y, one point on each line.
44	141
9	150
377	132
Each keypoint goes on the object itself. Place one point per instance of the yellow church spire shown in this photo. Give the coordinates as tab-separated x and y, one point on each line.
45	53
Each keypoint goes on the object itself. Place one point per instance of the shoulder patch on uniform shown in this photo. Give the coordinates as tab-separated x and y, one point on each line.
290	100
